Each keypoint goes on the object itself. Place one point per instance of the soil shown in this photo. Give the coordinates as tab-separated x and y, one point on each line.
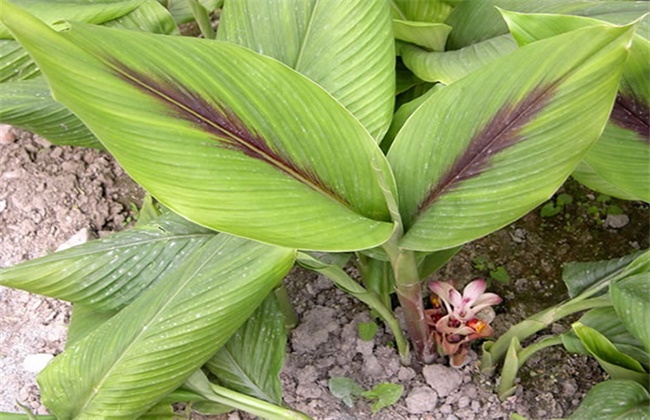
49	194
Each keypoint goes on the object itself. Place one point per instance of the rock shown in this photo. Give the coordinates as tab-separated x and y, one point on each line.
444	380
463	401
309	390
372	367
421	400
36	362
365	347
81	237
314	329
7	136
405	374
446	409
616	221
3	205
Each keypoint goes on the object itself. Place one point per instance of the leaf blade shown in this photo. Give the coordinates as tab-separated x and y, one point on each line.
462	172
243	194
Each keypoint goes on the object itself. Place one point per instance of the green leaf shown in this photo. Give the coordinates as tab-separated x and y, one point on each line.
345	389
449	66
421	10
200	385
28	104
614	400
616	363
150	16
385	394
54	11
402	114
581	276
15	63
587	176
221	147
367	330
475	21
431	36
492	146
430	263
345	46
631	299
251	360
621	155
154	344
108	273
83	321
500	274
182	11
609	324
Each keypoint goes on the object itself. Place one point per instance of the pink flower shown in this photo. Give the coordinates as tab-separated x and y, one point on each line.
471	302
464	318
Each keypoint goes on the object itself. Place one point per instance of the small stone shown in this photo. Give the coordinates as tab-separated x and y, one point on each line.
309	390
81	237
616	221
234	416
365	347
463	401
405	374
446	409
372	367
36	362
476	406
444	380
7	135
421	400
451	417
3	205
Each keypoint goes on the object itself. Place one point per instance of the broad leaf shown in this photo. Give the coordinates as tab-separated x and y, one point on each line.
182	11
15	63
614	400
54	11
251	360
631	299
226	137
345	46
616	363
152	346
106	274
421	10
609	324
622	153
586	175
475	21
28	104
83	321
432	36
582	276
449	66
492	146
198	384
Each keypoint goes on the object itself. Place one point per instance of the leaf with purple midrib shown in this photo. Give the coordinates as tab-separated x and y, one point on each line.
229	130
633	114
501	132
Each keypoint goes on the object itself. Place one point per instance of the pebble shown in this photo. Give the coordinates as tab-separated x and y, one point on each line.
421	400
476	406
81	237
36	362
446	409
463	401
309	390
3	205
7	136
444	380
405	374
617	221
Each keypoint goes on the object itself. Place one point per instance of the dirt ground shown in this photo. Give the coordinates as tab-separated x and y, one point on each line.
49	194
